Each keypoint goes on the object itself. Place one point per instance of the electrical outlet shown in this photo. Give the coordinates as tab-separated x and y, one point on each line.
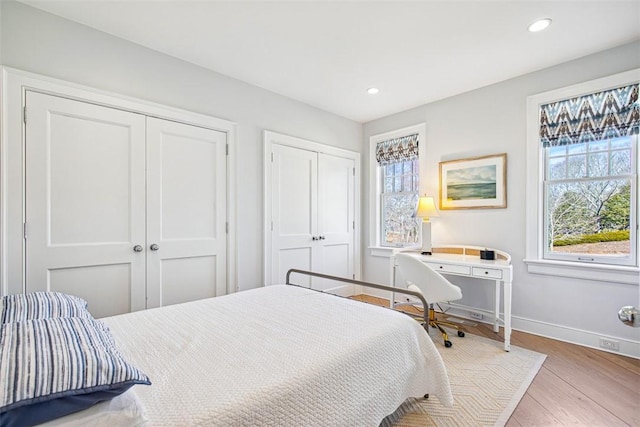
475	315
609	344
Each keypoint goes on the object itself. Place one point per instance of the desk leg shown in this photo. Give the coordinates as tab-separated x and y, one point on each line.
392	281
507	315
496	321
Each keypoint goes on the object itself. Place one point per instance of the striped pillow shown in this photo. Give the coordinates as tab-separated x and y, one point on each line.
41	305
57	366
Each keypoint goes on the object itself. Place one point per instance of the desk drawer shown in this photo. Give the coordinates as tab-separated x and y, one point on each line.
487	272
453	269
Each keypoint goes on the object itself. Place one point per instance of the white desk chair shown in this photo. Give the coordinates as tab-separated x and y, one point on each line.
419	277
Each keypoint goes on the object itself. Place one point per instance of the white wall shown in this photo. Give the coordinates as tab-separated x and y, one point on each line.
486	121
42	43
492	120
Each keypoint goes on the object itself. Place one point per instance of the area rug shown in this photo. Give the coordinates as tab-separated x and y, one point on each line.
487	383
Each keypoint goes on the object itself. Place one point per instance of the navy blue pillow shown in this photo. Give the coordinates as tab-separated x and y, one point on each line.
38	413
59	366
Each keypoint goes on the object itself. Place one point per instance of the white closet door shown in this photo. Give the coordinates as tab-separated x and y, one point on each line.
336	220
85	207
294	175
186	212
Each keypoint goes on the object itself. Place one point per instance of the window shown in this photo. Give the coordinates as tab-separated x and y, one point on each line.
589	202
395	165
582	156
399	199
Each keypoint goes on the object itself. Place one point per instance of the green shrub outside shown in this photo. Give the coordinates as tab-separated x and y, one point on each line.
605	236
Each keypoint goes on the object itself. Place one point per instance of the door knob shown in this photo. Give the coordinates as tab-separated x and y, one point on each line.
629	316
321	238
137	248
314	238
154	247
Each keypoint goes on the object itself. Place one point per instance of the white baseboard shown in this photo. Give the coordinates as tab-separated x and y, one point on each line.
561	333
575	336
567	334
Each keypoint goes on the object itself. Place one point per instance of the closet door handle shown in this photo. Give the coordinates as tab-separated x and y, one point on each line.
154	247
137	248
314	238
321	238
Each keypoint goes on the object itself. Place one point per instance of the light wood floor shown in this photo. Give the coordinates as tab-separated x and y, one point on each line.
575	386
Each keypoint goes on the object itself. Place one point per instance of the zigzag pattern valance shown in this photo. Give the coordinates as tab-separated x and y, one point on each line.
608	114
397	150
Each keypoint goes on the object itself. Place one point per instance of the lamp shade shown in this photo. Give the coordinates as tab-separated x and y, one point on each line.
426	208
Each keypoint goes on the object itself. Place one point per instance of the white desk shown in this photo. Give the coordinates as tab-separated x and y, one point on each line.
465	261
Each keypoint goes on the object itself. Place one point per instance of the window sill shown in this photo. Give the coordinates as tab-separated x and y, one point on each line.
386	251
381	251
601	273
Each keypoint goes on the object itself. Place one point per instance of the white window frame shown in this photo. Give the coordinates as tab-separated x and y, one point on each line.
631	260
375	182
535	215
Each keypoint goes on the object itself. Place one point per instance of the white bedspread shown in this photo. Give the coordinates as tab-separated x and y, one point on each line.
278	356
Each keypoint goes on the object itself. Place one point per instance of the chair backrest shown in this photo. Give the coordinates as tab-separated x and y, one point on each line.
431	284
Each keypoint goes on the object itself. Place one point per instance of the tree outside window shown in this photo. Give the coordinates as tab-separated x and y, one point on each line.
400	226
588	197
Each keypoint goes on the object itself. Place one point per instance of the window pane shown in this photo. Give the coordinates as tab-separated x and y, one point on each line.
389	170
598	164
400	226
589	217
576	167
407	183
397	185
388	185
408	167
557	168
598	145
621	162
560	150
622	142
398	168
577	148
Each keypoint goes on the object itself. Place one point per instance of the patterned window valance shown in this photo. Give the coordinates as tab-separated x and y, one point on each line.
608	114
397	150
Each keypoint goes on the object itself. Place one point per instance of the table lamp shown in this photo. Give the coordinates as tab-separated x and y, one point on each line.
426	209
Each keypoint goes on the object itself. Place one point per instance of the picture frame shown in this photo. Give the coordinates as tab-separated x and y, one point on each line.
474	183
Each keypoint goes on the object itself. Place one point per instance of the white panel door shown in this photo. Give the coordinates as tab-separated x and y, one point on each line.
294	175
186	212
313	214
336	221
85	202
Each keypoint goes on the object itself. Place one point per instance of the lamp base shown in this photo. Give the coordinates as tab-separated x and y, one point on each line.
426	238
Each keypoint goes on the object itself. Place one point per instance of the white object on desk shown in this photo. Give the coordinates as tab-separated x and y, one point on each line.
426	209
459	260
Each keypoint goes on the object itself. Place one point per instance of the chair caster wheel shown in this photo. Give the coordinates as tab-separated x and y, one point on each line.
426	396
447	343
460	334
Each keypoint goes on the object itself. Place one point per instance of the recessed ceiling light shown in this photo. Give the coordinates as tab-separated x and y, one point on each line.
373	90
539	25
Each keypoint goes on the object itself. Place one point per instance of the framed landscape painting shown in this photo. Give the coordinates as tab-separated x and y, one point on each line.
475	183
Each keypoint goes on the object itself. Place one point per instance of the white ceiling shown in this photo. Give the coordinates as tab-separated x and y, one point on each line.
327	53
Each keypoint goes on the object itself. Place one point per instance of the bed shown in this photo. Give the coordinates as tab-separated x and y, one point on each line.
280	355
